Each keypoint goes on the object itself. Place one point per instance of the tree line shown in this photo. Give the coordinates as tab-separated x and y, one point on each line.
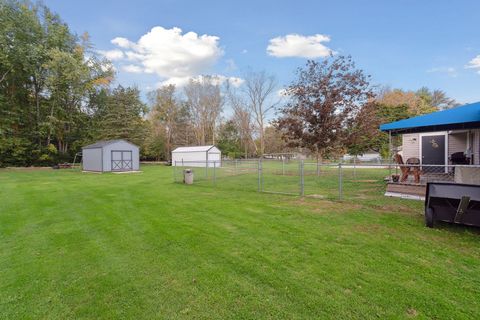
57	94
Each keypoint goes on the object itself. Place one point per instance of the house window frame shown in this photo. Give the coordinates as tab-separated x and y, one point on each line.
438	133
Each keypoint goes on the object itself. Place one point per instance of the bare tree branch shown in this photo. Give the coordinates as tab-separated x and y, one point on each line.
259	87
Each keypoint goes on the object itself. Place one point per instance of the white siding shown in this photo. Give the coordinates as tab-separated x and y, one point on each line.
457	142
192	159
120	146
92	159
196	157
410	146
213	155
476	147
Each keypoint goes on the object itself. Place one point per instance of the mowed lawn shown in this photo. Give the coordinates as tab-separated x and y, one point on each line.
137	246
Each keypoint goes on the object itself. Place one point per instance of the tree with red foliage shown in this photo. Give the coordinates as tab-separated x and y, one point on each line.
325	101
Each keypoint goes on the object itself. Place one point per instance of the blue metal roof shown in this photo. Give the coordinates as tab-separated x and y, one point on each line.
462	117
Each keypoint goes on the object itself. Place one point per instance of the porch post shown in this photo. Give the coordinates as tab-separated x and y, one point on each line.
390	153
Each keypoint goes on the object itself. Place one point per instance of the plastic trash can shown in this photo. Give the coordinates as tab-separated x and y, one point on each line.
188	176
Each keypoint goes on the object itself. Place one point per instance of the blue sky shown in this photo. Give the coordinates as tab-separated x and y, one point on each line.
402	44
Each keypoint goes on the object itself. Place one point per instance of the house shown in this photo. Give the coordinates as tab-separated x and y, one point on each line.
439	140
197	156
111	155
433	138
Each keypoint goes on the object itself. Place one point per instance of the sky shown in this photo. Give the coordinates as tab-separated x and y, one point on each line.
401	44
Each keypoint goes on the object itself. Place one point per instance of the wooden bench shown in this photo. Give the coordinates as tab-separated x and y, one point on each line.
407	170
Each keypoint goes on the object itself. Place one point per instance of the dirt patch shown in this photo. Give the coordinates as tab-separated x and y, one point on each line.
325	206
412	313
26	168
316	196
389	208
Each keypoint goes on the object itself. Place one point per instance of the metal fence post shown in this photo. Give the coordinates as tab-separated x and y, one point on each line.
355	168
236	166
174	171
302	179
283	166
340	181
214	173
260	175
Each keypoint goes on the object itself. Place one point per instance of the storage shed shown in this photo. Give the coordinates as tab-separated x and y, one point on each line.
111	155
199	156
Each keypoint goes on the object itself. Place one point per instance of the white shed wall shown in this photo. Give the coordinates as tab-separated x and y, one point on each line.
214	156
120	146
92	159
192	159
197	158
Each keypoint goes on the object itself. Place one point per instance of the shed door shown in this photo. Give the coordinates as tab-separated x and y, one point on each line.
121	160
433	152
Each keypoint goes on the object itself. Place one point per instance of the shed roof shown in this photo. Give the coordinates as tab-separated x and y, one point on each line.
103	143
195	149
462	117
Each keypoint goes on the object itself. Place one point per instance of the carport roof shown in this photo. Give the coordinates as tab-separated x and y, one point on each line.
194	149
462	117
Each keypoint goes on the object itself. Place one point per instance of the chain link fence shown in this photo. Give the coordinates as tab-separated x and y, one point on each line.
334	180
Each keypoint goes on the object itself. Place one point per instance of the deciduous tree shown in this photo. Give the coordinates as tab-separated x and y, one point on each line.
204	101
259	88
325	100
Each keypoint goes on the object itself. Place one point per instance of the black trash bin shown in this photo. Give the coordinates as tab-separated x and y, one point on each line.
452	202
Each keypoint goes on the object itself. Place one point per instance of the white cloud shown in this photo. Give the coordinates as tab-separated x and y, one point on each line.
282	93
217	79
474	64
244	51
450	71
112	55
235	81
231	65
132	68
171	54
174	56
123	42
296	45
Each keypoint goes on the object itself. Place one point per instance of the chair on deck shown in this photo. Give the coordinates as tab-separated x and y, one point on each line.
406	170
459	158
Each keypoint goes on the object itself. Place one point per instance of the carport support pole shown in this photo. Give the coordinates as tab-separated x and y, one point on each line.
302	179
340	181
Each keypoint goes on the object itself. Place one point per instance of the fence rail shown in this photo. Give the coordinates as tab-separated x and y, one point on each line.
335	180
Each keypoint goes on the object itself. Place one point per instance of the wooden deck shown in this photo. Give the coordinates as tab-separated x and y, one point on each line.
417	191
406	190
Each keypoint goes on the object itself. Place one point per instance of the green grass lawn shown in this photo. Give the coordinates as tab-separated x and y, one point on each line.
138	246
